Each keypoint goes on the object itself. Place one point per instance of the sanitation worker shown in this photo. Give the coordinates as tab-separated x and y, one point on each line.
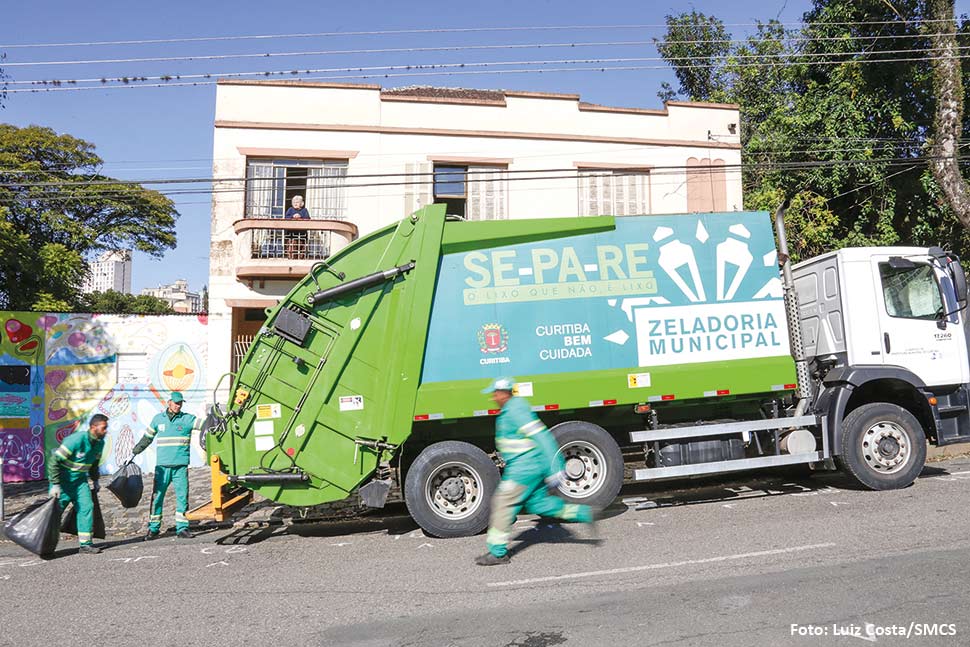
533	465
68	471
172	430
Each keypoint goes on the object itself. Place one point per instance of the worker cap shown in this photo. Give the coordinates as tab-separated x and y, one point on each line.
177	397
500	384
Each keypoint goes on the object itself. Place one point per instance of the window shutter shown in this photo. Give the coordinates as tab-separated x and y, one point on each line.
417	191
326	191
259	190
487	193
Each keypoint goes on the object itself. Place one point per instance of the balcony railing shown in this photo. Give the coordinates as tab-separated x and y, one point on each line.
274	248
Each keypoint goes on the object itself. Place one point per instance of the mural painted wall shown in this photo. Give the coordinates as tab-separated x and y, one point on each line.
57	370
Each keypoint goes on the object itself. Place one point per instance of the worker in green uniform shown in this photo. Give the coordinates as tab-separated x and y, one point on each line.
533	465
172	431
71	465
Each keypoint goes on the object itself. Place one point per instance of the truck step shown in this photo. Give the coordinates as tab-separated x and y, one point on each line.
672	433
655	473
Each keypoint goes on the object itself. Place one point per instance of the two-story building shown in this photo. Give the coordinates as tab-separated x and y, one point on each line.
301	169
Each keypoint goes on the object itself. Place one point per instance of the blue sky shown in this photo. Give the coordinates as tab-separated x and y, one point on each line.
152	133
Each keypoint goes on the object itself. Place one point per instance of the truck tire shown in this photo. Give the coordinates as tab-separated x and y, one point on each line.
448	488
594	463
883	446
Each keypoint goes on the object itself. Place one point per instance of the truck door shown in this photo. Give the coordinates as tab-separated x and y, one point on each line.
915	333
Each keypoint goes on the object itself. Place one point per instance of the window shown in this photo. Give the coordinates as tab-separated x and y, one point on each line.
614	192
272	184
911	292
472	192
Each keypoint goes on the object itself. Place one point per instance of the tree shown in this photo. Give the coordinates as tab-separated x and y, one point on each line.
948	119
56	208
205	298
833	116
119	302
3	81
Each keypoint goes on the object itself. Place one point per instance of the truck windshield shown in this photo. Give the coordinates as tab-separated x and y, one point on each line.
911	292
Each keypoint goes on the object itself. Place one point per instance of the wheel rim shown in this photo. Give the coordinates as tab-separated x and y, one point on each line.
886	447
454	490
586	469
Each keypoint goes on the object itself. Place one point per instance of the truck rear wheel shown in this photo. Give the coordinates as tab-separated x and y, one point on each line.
448	488
883	446
594	463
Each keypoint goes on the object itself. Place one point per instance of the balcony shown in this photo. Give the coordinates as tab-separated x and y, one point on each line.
274	248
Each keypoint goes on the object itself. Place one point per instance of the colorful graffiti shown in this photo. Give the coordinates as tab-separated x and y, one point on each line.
57	370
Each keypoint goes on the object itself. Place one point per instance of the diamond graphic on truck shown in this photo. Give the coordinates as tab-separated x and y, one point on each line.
493	338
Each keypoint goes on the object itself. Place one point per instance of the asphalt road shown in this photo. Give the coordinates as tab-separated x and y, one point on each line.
774	561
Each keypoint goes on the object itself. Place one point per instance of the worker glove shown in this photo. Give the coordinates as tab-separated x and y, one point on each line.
554	481
95	486
55	490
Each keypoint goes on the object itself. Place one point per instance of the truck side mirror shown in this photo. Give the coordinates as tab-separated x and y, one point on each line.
959	282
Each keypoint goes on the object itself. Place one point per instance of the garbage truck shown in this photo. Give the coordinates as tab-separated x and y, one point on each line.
686	344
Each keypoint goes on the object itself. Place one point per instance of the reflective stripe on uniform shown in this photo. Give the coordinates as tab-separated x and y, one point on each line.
180	517
155	517
174	441
77	467
514	445
531	428
496	537
63	452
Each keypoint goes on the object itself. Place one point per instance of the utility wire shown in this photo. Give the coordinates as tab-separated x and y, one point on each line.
449	48
794	56
108	192
451	30
602	69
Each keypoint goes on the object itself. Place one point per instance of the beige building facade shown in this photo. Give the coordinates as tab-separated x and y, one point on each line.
360	157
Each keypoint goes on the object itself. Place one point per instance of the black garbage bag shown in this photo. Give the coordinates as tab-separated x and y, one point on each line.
37	528
69	524
127	485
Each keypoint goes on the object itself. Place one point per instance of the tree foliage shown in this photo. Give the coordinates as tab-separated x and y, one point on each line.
119	302
848	139
56	209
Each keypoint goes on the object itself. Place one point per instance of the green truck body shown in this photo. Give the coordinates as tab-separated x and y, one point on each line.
382	350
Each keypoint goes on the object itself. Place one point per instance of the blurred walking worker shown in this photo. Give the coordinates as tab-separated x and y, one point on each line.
172	431
533	465
72	464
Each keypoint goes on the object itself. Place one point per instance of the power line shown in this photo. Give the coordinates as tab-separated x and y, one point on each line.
421	66
450	30
602	68
449	48
679	170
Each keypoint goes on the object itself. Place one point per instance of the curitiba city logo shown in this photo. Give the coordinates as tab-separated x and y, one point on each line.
493	339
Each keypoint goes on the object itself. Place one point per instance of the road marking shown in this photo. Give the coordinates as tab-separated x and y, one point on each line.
236	549
837	503
130	560
343	543
7	563
33	562
640	524
217	564
425	545
4	577
651	567
208	551
729	506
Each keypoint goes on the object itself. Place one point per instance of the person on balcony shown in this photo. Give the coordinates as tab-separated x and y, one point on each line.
297	210
296	241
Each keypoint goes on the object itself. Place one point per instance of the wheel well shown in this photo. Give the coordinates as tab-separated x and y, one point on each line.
894	392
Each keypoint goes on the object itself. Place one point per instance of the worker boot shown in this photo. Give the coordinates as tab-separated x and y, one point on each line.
184	534
488	559
88	549
152	534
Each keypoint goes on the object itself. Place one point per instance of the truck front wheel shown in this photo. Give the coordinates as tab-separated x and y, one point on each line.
594	463
448	488
883	446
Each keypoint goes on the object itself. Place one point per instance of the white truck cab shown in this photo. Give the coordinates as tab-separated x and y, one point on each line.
884	332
